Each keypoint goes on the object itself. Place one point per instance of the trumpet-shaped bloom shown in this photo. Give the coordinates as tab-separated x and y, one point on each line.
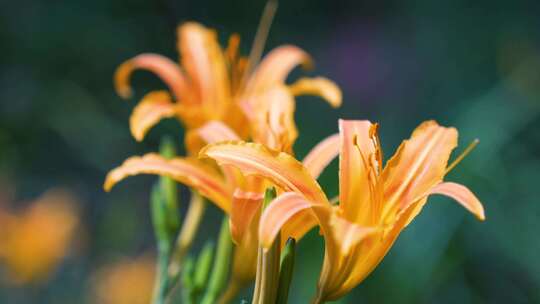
237	195
376	202
33	242
214	84
218	98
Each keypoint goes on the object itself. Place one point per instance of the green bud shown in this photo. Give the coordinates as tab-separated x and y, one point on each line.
286	271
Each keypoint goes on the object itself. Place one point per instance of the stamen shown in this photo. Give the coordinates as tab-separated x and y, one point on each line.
374	135
372	176
260	37
232	48
468	150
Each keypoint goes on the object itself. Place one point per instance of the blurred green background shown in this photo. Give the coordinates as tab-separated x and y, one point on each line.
474	65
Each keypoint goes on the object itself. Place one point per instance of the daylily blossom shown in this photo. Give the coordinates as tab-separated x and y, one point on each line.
34	240
375	203
238	196
212	84
220	95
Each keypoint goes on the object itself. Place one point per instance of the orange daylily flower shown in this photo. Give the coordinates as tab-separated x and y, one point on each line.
33	242
221	96
129	281
375	203
212	84
238	196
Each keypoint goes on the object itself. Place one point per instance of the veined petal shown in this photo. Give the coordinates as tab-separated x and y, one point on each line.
191	172
298	225
318	86
321	155
244	207
154	107
347	234
163	67
279	167
462	195
245	256
212	132
216	131
278	213
404	217
274	124
205	64
357	150
419	164
275	67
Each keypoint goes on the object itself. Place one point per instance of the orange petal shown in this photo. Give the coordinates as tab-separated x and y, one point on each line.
321	155
347	234
244	264
216	131
318	86
275	67
163	67
188	171
274	124
244	207
354	187
462	195
204	62
278	213
419	164
153	107
212	132
255	159
298	225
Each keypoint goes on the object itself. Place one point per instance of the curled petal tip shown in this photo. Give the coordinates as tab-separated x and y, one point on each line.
318	86
154	107
125	92
121	79
463	196
109	183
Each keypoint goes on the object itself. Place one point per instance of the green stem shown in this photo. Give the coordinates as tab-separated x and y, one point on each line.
188	286
286	271
220	270
266	281
230	292
192	221
203	267
159	222
169	188
318	299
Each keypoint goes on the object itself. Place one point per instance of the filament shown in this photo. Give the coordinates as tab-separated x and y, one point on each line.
468	150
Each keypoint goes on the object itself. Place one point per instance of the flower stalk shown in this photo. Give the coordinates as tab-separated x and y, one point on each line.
188	285
267	278
195	274
220	270
159	221
168	187
194	215
286	271
165	219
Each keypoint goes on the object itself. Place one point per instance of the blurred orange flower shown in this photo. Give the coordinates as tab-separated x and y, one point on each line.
375	203
129	281
34	241
215	84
